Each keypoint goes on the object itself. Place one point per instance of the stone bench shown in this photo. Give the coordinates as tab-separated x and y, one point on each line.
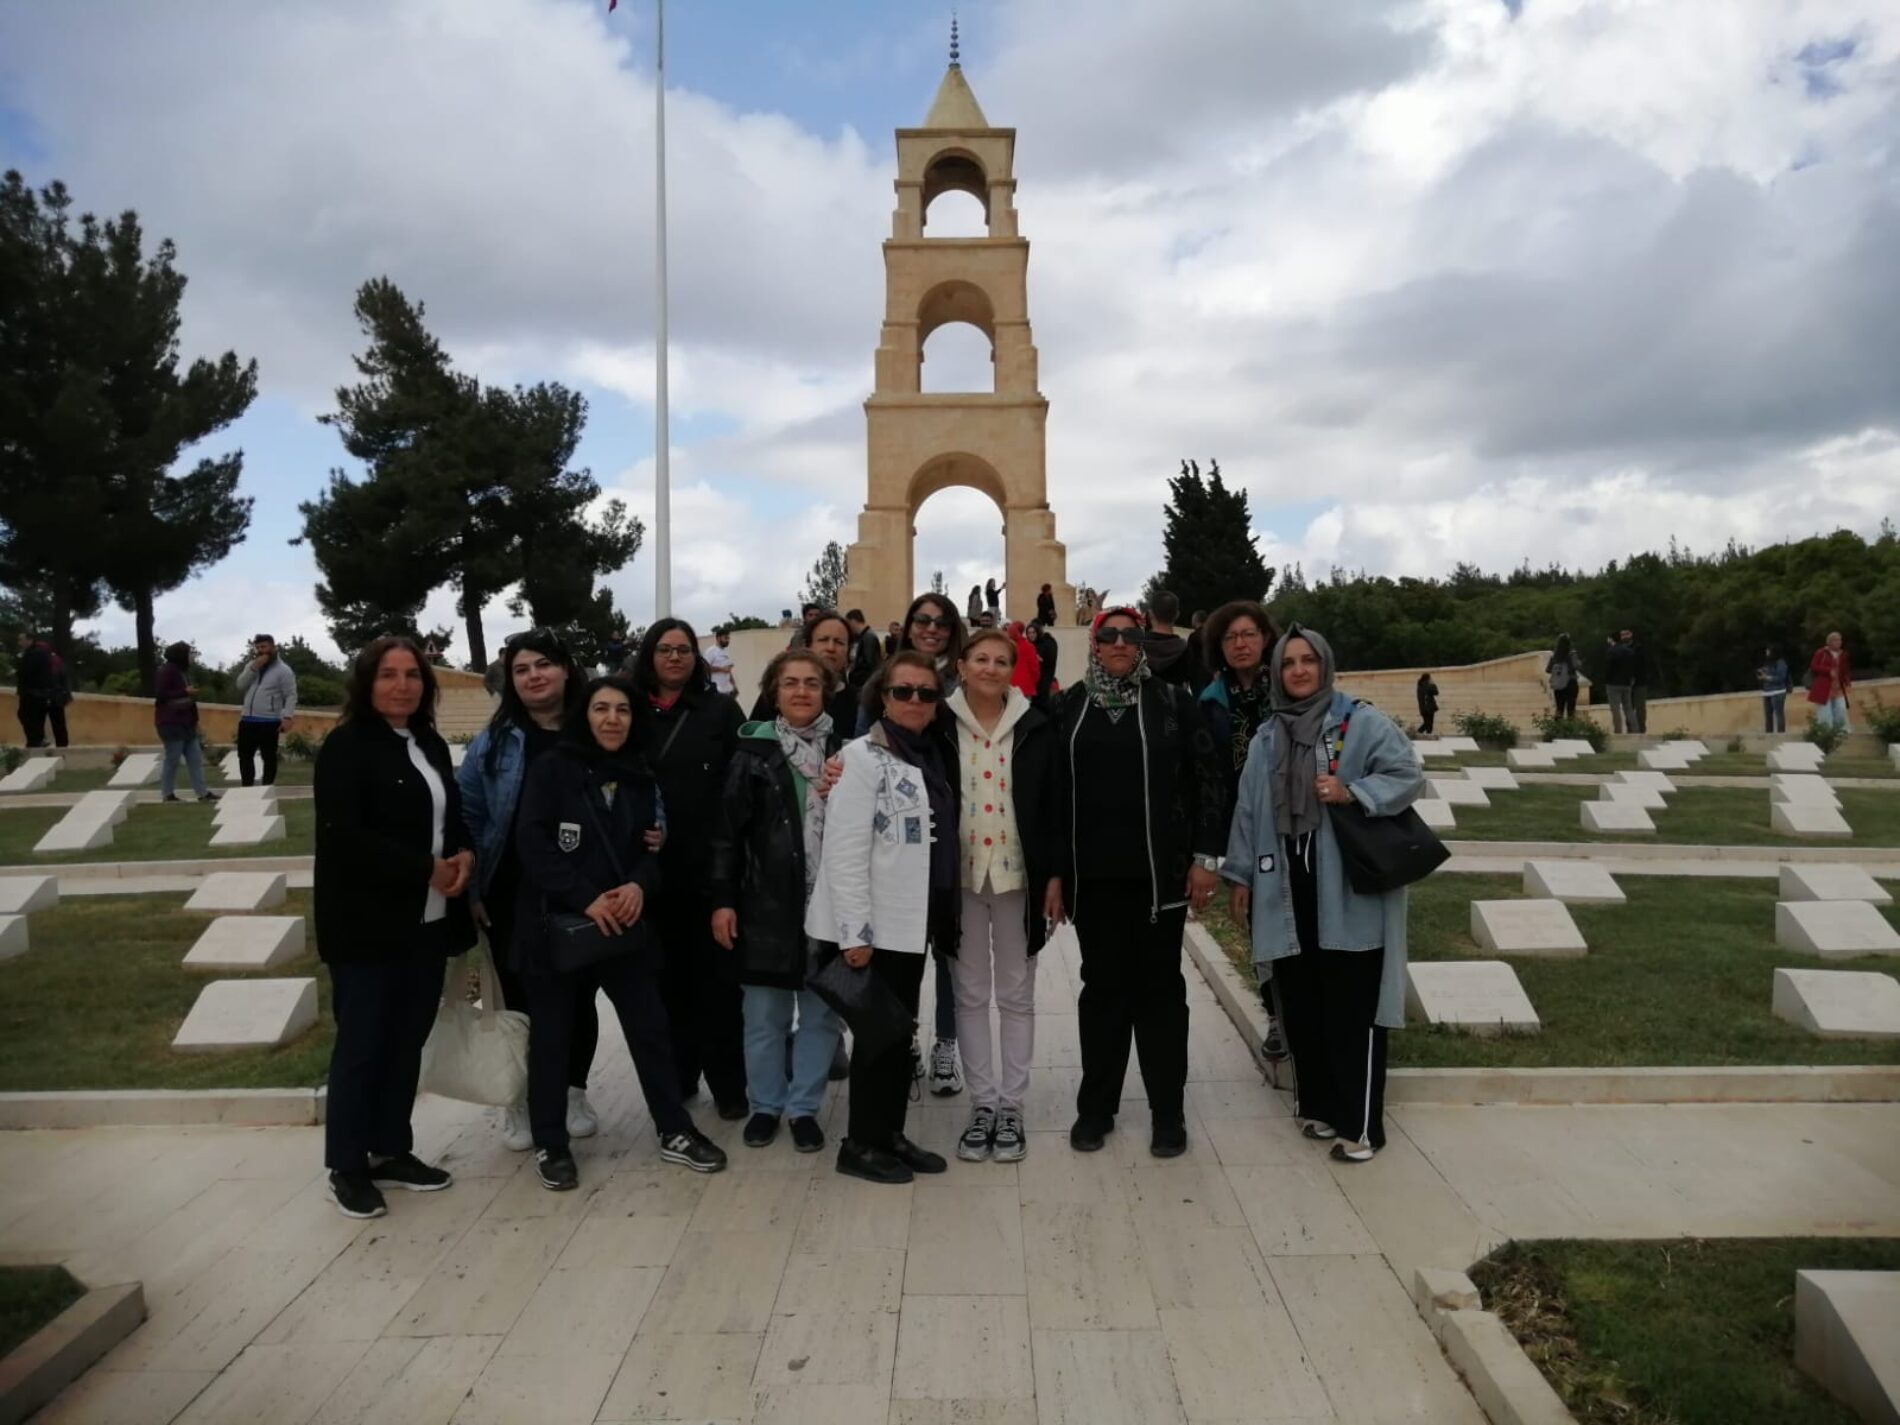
1531	927
248	1014
1475	996
1834	930
1839	1004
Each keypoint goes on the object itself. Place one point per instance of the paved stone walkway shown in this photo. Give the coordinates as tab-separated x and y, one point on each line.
1250	1280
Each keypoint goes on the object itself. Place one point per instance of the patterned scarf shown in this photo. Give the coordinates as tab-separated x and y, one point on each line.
1246	705
804	748
1111	694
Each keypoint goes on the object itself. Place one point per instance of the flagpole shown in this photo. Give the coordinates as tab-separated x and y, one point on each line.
662	477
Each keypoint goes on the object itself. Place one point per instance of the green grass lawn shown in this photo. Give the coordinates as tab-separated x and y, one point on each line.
1717	764
29	1298
174	832
1682	974
1695	816
1681	1332
291	772
95	1003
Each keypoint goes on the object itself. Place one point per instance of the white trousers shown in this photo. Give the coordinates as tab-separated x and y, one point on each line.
993	958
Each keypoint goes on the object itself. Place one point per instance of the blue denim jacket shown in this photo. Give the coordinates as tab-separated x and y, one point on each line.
1379	769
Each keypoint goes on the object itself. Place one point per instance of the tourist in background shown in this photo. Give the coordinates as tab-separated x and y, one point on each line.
175	714
1171	656
41	691
1338	957
1141	825
1772	676
973	606
1046	654
1830	677
719	663
1001	753
687	742
1046	606
806	615
1026	674
993	599
1623	681
829	638
886	889
893	637
1237	636
866	652
392	865
587	809
1427	704
267	689
540	695
1564	674
766	849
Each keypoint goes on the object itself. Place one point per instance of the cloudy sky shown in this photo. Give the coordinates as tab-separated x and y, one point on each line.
1437	280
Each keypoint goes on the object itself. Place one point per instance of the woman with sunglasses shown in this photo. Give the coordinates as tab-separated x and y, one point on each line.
886	889
1141	825
688	740
1338	956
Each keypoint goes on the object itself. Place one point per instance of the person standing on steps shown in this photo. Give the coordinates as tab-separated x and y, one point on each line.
886	889
540	695
1427	704
586	811
1141	827
175	714
1338	956
391	869
1772	675
1830	678
973	609
1623	682
766	849
1046	606
993	599
687	741
1000	750
41	691
1564	674
268	689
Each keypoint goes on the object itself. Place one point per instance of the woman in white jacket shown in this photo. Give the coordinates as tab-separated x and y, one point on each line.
887	883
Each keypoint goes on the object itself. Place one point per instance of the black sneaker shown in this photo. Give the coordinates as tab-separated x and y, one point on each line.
356	1195
761	1129
1169	1139
734	1109
1275	1045
1087	1134
807	1136
407	1171
918	1160
209	797
874	1165
694	1150
840	1062
169	797
557	1170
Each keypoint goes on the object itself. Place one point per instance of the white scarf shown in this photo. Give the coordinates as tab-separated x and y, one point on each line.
804	748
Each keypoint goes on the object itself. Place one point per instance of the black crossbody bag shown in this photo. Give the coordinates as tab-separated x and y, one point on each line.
573	941
1381	853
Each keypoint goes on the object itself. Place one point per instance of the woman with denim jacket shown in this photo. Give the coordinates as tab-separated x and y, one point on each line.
1338	956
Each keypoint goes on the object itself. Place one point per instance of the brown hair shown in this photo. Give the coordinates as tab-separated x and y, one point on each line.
1218	622
768	681
356	704
989	635
903	658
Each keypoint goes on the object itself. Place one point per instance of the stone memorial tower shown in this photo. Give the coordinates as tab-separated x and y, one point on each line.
992	441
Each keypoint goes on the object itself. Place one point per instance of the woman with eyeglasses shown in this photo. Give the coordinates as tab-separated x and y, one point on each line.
1141	831
1235	642
886	888
687	741
1338	956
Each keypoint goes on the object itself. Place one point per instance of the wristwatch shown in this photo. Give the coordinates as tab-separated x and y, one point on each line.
1209	863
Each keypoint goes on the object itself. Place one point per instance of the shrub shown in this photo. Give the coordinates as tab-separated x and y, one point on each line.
1552	728
1884	723
1486	729
1735	744
124	684
1677	734
11	757
1826	736
300	745
316	691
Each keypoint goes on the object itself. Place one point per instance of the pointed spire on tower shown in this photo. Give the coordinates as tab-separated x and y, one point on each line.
955	107
955	61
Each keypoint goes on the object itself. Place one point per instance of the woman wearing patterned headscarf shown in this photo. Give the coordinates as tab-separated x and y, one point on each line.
1140	816
1338	957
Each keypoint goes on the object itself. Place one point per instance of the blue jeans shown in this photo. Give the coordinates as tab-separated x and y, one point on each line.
768	1021
1774	712
181	742
1837	712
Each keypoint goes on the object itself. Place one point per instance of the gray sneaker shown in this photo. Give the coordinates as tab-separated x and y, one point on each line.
974	1145
1009	1142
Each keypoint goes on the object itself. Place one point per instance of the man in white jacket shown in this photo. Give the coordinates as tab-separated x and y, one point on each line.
268	690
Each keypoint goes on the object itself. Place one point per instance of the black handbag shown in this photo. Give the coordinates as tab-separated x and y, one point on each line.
1383	853
573	941
877	1018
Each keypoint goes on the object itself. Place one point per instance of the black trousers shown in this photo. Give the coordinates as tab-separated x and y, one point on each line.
584	1039
1425	718
633	986
258	740
1132	987
880	1086
1566	700
706	1009
1327	1002
35	713
384	1010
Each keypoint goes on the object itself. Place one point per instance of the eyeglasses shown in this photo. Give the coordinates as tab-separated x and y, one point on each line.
673	650
1109	637
904	692
931	621
794	685
1241	635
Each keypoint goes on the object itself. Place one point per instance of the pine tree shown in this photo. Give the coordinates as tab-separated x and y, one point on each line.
827	577
1211	555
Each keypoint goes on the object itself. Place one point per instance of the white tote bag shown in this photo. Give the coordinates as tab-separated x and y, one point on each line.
476	1054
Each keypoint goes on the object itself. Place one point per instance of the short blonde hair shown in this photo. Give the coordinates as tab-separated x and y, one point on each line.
988	635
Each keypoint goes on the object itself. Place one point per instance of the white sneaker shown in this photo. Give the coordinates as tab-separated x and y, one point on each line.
946	1074
516	1135
582	1121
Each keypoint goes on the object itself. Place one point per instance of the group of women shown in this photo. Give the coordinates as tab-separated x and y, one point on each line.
642	837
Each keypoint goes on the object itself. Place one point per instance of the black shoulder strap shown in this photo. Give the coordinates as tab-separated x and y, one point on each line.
667	746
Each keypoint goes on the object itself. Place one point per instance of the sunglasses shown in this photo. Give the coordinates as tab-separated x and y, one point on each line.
904	692
932	621
1109	637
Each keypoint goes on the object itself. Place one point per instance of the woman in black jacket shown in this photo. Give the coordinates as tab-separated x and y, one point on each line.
687	741
582	837
391	869
1141	821
765	854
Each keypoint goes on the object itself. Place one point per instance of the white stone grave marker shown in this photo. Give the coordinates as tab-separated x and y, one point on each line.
116	806
1795	757
1839	1004
458	753
229	768
79	830
1478	996
1577	881
1893	754
1803	788
1435	814
1459	744
1492	779
1456	792
13	939
249	831
32	775
240	891
22	895
1648	798
248	942
1847	1337
137	770
1541	927
1434	750
1656	781
1687	747
1520	759
1619	818
1568	749
1834	930
257	799
243	811
248	1014
1661	759
1812	881
1807	819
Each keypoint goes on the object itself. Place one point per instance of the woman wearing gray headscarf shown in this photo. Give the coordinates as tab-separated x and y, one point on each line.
1338	957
